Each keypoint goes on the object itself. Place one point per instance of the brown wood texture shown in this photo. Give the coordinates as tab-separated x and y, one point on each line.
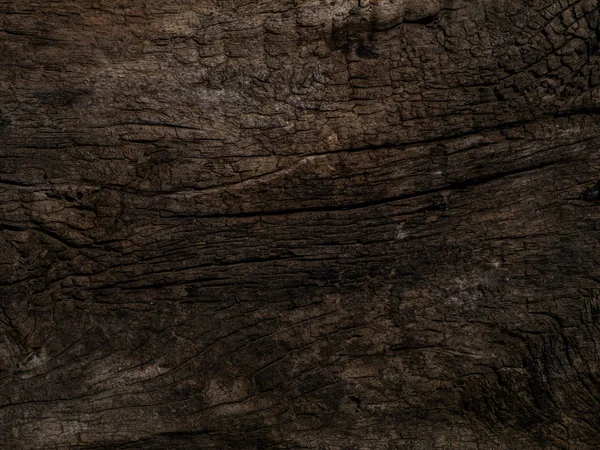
285	224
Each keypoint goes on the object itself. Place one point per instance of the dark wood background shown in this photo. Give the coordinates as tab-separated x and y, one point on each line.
286	224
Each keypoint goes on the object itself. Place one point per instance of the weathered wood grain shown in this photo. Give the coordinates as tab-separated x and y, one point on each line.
299	224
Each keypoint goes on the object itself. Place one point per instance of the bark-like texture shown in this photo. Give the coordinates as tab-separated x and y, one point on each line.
324	224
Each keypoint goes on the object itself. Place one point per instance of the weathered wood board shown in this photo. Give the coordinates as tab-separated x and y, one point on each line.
286	224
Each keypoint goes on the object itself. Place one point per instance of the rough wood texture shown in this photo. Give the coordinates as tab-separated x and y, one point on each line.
294	224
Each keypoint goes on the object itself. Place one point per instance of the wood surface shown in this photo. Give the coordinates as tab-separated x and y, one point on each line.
287	224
